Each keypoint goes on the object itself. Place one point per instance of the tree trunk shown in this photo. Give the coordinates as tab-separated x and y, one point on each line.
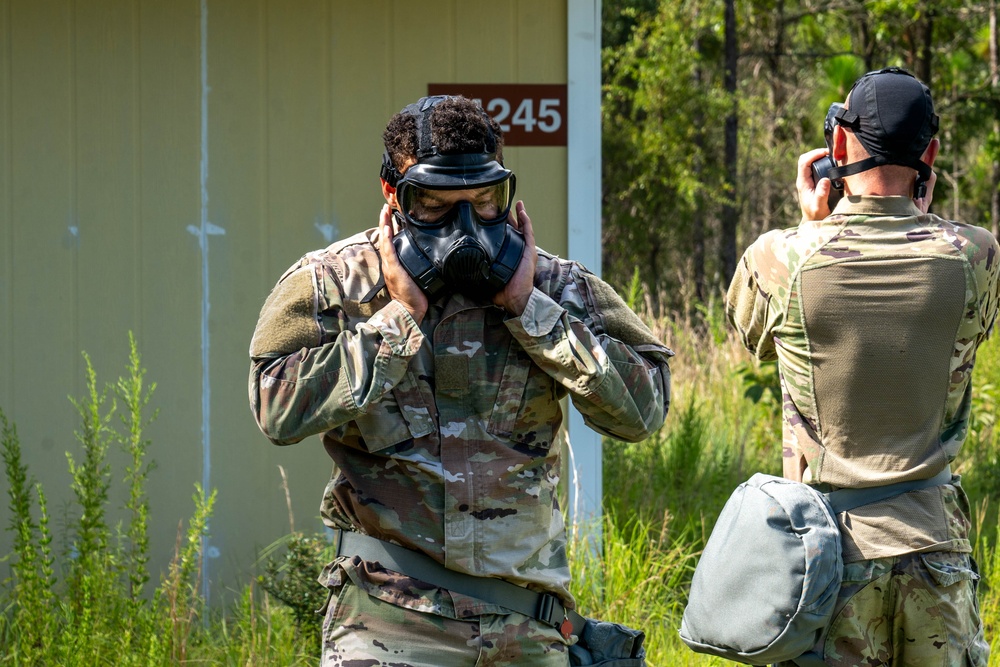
727	250
924	64
995	80
698	216
866	37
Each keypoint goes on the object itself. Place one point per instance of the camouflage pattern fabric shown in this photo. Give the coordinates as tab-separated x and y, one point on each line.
768	303
909	596
363	630
907	611
445	437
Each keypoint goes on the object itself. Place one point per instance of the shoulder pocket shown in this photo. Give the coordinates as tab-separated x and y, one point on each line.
402	414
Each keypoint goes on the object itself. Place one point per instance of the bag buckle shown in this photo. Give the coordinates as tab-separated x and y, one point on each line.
548	606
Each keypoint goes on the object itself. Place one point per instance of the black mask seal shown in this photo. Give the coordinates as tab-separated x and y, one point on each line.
892	115
452	214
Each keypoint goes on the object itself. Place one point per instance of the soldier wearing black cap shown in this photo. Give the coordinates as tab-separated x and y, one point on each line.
874	312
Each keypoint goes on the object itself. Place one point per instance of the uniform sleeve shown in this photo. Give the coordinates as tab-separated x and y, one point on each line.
749	309
589	341
304	380
988	269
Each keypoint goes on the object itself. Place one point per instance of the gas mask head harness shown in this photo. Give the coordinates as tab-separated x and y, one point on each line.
452	214
892	115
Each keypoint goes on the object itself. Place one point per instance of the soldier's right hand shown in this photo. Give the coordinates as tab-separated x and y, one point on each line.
401	286
813	197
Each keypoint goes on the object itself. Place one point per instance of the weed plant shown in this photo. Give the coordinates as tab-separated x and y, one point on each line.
89	604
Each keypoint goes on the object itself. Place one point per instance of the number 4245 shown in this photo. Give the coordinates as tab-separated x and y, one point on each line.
548	118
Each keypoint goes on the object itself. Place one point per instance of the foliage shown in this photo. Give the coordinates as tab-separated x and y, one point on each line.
94	609
292	580
664	117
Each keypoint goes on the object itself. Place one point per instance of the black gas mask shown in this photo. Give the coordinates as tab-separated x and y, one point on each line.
452	215
822	167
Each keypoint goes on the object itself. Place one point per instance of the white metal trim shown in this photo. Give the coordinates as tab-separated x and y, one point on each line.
583	37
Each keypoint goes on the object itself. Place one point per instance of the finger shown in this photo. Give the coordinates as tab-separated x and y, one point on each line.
805	165
930	184
525	221
387	251
385	218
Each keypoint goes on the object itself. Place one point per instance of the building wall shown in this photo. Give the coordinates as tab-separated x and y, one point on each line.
161	164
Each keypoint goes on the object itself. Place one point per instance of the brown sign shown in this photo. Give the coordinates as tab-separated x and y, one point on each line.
529	114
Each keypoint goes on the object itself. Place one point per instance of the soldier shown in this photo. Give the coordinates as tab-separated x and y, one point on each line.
430	353
874	312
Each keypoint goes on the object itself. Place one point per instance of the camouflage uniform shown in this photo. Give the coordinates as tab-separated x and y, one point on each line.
874	315
444	439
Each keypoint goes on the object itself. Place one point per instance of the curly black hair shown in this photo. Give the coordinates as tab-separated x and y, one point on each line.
458	125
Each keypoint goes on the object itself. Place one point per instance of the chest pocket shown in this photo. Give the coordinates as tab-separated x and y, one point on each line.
527	408
402	414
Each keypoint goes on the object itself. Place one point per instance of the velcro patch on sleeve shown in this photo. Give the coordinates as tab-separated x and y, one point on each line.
288	320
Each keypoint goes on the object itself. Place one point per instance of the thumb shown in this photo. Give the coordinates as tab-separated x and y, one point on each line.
823	188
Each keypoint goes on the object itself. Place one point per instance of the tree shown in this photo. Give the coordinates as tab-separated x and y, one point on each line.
708	104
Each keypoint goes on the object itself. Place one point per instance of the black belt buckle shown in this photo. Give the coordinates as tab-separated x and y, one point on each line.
548	606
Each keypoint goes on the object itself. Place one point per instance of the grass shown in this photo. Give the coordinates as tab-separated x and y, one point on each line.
92	601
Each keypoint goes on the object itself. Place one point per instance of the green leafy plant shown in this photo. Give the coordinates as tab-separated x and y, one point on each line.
291	578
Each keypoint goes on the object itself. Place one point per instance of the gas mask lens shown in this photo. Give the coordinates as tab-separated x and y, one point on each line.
426	207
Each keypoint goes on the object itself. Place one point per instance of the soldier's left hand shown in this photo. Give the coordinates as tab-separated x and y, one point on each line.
514	296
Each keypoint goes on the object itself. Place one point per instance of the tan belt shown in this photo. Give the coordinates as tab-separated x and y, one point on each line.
544	607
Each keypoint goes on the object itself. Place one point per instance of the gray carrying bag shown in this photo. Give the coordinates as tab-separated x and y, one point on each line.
766	584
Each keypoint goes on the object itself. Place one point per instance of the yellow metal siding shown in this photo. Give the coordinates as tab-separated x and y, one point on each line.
101	209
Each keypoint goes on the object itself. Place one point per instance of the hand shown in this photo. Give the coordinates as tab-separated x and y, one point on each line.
401	286
813	197
514	296
924	203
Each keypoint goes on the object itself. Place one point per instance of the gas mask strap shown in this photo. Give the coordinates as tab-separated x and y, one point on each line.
379	286
838	173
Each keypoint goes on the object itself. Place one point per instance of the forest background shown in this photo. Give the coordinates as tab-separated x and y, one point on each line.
707	106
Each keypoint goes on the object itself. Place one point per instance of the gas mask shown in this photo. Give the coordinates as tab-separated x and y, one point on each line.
452	215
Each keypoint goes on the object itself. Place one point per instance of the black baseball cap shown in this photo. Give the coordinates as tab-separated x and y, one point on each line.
892	114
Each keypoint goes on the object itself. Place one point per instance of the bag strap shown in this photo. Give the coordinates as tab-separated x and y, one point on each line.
544	607
843	500
809	660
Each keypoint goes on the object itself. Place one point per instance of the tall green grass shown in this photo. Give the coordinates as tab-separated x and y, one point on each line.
93	600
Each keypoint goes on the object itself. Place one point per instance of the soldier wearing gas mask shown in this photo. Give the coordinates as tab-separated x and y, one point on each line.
874	312
430	353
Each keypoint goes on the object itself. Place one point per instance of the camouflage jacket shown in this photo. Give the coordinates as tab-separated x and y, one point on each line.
874	316
444	435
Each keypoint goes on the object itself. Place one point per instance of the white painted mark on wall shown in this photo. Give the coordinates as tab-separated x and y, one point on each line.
203	232
327	230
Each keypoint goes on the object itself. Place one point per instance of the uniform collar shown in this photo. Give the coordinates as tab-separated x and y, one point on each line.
875	205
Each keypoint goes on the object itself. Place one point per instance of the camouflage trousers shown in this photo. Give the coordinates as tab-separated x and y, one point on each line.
360	630
913	610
